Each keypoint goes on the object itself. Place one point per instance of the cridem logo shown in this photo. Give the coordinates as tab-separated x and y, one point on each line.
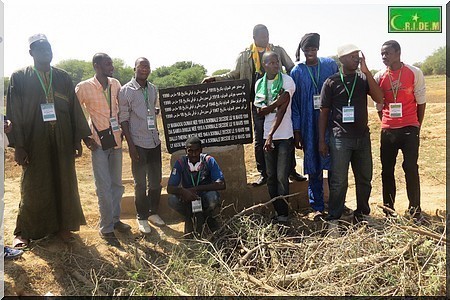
415	19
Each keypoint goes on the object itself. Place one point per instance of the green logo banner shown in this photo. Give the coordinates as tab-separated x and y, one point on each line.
405	19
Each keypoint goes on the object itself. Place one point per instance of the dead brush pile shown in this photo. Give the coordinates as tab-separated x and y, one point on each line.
251	256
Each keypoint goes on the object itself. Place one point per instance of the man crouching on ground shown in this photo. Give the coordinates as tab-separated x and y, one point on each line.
200	177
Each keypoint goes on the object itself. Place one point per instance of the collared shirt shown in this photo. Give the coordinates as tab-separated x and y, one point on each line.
134	108
91	95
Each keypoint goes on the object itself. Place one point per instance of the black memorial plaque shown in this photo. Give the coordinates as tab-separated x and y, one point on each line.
218	113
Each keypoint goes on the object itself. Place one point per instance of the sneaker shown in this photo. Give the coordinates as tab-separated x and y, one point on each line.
261	180
333	228
110	239
156	220
143	226
122	227
11	253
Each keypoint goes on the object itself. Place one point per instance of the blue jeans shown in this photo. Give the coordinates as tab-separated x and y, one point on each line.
358	152
315	191
407	140
149	166
279	166
210	201
210	205
107	167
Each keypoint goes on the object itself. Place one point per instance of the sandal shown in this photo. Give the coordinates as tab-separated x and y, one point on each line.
20	243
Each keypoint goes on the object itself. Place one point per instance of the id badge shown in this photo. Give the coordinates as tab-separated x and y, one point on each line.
197	206
316	99
48	112
114	124
150	122
348	114
395	110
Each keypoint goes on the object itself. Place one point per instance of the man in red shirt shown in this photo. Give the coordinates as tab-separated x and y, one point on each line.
401	118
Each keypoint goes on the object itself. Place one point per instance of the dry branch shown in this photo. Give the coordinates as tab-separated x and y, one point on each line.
427	233
174	287
310	274
263	285
84	280
253	208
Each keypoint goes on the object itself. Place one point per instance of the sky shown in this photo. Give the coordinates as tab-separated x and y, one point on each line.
210	33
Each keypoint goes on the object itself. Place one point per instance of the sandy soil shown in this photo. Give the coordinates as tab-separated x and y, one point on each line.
44	269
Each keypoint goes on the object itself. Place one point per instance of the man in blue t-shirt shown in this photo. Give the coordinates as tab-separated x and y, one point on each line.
200	177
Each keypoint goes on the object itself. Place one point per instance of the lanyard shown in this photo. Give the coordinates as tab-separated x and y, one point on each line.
107	94
395	90
318	77
145	93
198	178
46	90
350	94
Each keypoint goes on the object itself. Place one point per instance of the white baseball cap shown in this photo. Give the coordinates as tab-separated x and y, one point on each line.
346	49
37	37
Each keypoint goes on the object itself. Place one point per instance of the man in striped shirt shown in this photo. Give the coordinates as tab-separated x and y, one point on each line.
137	116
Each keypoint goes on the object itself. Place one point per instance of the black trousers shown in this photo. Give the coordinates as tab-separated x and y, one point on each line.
405	139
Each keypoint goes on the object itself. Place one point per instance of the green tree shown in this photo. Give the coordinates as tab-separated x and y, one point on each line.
78	70
81	70
435	63
220	72
179	74
122	72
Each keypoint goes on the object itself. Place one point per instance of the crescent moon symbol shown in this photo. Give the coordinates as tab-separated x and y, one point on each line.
393	24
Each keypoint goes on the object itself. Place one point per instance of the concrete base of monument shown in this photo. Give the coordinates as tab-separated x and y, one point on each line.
232	203
236	197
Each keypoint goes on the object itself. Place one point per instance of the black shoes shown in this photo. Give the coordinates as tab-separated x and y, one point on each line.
110	239
261	180
294	177
121	227
297	177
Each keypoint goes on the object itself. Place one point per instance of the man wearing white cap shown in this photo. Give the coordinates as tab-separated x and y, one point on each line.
344	96
48	127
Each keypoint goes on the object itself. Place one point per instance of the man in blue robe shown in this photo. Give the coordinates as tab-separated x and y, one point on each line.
309	77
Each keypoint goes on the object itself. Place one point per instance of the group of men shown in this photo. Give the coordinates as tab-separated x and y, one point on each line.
318	108
323	110
48	121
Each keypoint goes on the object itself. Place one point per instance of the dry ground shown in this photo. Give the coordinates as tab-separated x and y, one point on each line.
51	266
